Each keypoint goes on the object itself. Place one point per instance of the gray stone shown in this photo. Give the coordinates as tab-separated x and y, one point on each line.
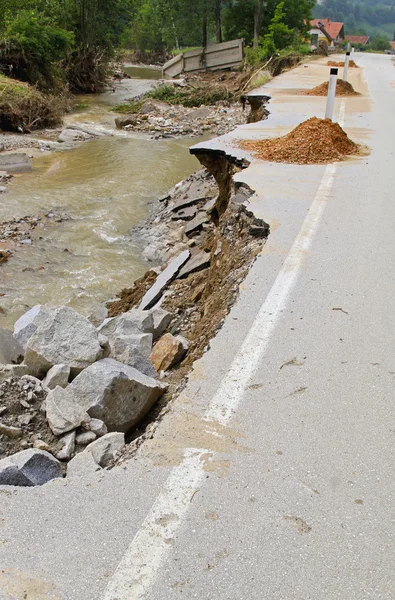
185	214
187	202
115	393
162	319
66	337
200	260
163	280
85	438
105	449
29	468
133	321
28	323
16	162
10	350
63	412
58	375
197	223
97	426
134	350
68	446
7	371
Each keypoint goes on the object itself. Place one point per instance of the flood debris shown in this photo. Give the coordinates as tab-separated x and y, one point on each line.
351	64
314	141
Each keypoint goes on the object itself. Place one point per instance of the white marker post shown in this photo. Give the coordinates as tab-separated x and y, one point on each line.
348	47
346	63
330	102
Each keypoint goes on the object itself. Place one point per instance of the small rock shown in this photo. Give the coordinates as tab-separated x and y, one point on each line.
167	352
105	449
3	410
41	445
97	426
68	446
25	419
10	432
85	438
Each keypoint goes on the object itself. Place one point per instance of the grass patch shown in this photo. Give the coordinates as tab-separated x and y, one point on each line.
192	97
80	106
130	108
24	107
260	79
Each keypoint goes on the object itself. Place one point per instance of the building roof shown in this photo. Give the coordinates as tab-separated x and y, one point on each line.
392	45
358	39
333	28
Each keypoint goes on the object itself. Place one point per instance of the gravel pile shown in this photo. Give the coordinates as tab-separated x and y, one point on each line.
314	141
343	88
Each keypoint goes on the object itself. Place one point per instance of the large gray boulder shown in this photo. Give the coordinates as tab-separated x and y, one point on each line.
117	394
28	323
29	468
134	350
105	449
10	349
66	337
131	322
63	412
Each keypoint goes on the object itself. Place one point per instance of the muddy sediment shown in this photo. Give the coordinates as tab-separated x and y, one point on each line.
343	88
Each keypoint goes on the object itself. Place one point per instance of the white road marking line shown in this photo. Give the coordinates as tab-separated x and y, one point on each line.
139	567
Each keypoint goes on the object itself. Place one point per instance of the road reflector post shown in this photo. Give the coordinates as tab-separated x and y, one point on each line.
346	63
348	47
330	101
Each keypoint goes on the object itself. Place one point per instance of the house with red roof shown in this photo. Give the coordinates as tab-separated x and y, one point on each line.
326	30
392	45
358	39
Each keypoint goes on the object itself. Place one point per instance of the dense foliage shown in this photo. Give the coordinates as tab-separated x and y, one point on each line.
53	43
362	17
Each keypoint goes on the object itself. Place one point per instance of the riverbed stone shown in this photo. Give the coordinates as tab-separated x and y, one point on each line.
63	412
58	375
66	337
163	280
105	449
168	352
10	349
116	393
29	468
98	427
28	323
15	162
85	437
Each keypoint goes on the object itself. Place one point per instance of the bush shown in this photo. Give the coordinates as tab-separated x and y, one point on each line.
23	107
31	50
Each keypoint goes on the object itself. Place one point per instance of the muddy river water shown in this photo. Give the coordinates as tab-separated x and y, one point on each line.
104	186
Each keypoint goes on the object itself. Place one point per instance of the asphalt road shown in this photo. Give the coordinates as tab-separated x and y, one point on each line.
272	476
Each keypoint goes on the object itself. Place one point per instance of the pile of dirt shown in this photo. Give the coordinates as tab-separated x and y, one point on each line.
343	88
23	423
351	64
314	141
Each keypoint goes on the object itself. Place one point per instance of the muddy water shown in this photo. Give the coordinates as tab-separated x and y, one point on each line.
105	186
143	72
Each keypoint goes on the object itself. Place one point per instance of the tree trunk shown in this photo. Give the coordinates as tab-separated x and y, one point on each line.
257	21
204	32
218	21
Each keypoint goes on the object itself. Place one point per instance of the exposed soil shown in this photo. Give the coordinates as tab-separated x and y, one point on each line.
343	88
314	141
20	408
351	64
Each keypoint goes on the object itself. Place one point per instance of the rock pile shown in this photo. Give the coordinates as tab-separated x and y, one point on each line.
163	120
312	142
70	387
